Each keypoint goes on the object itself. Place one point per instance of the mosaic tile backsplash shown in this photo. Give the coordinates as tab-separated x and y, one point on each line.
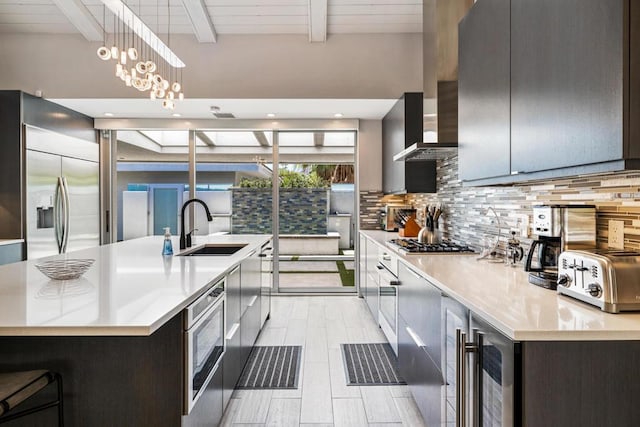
465	218
302	210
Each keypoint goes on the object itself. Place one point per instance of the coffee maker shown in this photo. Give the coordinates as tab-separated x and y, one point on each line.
559	228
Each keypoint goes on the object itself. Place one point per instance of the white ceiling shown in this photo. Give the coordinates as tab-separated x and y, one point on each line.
365	109
227	16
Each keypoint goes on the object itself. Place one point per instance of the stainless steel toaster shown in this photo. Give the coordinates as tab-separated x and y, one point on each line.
607	279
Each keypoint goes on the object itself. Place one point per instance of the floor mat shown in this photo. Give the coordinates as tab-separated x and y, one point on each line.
370	364
271	367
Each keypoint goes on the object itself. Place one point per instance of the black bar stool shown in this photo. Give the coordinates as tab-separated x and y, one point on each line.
16	387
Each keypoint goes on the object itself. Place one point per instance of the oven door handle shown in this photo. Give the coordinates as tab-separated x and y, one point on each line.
387	276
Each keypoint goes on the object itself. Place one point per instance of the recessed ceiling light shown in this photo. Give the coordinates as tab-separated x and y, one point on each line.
108	114
177	115
337	115
271	115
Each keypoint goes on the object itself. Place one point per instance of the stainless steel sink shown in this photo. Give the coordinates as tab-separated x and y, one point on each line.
215	250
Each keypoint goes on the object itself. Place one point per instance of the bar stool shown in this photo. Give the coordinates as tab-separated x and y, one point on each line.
16	387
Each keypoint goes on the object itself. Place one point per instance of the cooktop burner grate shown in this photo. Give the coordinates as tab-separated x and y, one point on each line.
413	246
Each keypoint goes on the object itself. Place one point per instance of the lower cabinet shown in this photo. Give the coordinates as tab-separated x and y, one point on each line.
249	328
233	362
371	291
421	373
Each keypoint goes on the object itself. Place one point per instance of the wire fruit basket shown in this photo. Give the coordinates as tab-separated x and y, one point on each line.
65	269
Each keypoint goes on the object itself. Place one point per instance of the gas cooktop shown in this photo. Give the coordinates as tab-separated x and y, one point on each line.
412	246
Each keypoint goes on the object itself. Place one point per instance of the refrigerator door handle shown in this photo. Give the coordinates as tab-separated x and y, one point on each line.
57	212
66	211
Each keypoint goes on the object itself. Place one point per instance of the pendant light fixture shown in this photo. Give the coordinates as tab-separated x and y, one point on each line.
143	61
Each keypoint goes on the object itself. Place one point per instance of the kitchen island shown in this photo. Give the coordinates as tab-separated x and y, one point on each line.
532	357
115	334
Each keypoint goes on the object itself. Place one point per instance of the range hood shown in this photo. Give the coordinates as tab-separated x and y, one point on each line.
440	82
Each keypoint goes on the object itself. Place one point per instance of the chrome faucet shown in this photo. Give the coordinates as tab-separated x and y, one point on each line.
185	240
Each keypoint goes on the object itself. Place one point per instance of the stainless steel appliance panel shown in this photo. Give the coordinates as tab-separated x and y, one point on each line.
419	306
454	317
232	291
249	327
494	376
233	362
421	372
43	171
82	177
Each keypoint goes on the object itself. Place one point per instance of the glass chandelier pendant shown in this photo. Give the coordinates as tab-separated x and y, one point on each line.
175	87
170	95
115	52
165	84
181	96
127	80
123	57
151	66
141	67
118	70
104	53
157	80
133	53
152	94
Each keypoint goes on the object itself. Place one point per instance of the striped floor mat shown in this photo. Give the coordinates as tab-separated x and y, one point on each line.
271	367
370	364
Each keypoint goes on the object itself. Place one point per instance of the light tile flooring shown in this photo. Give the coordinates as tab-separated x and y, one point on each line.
320	324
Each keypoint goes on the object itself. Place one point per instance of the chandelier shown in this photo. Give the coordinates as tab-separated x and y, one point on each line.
143	61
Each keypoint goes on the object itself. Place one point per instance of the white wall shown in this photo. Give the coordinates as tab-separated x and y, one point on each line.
367	66
370	155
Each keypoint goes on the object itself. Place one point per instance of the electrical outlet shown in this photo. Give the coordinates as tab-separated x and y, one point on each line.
616	234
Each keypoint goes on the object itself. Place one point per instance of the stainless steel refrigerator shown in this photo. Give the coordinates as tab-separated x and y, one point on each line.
63	203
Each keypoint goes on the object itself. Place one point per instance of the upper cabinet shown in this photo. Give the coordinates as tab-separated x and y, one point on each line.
558	74
483	91
402	127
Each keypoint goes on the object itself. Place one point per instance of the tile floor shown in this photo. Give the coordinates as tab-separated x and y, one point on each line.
320	324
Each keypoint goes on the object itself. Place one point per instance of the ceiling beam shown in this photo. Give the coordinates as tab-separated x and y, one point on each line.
318	139
317	21
78	14
200	21
204	138
261	137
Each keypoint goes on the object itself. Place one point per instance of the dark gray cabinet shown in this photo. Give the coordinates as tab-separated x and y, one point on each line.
419	306
402	127
266	281
419	341
421	373
484	91
251	279
573	70
567	62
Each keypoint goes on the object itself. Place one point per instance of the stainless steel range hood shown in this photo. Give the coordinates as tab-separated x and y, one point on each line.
440	83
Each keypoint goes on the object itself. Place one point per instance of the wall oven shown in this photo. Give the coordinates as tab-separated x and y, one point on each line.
388	305
204	342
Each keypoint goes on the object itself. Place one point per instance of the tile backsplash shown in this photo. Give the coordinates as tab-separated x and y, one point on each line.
465	218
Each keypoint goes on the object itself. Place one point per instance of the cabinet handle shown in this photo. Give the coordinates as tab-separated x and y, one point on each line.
517	172
234	271
232	331
416	339
252	253
253	301
461	337
462	348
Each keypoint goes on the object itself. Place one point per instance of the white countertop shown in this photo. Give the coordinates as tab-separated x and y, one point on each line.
10	241
131	289
504	298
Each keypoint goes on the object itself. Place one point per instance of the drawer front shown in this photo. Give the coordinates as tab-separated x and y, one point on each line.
249	328
232	362
232	291
421	374
419	307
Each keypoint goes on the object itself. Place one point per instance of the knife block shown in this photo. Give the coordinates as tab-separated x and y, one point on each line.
411	228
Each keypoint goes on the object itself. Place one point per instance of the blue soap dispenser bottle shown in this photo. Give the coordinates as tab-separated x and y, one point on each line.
167	248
